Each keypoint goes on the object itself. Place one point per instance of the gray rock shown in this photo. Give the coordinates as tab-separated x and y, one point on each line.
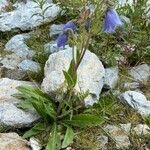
90	77
119	135
12	141
18	46
29	66
13	67
22	17
131	86
142	129
9	68
10	61
13	117
140	73
55	30
103	140
10	115
137	101
17	65
51	48
8	87
111	77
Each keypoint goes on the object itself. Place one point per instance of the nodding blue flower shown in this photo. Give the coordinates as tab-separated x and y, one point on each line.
62	40
70	25
112	21
63	36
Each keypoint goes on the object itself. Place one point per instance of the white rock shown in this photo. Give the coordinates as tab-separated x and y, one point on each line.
35	144
131	3
3	4
90	77
10	115
22	17
12	141
140	73
137	101
132	86
55	30
29	66
8	87
119	135
142	129
18	64
18	46
124	2
126	127
13	117
111	77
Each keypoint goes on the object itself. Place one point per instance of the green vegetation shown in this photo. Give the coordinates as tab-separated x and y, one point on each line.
65	121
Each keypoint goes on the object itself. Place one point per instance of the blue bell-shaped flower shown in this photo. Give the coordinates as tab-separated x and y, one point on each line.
112	21
63	37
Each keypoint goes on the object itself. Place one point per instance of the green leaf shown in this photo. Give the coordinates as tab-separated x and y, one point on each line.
84	120
34	97
39	127
52	142
68	139
25	104
71	75
39	107
72	72
69	79
50	110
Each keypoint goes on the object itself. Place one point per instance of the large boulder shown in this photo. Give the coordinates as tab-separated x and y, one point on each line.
12	141
28	15
90	74
10	115
137	101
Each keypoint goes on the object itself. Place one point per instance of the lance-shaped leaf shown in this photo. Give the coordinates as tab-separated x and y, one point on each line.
52	142
38	128
84	120
68	139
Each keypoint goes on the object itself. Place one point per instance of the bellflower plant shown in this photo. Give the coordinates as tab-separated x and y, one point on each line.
64	111
112	21
63	37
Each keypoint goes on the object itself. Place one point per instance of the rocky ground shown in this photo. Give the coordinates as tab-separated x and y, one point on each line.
28	56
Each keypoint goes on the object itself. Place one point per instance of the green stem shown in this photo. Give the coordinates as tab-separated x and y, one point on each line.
84	50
